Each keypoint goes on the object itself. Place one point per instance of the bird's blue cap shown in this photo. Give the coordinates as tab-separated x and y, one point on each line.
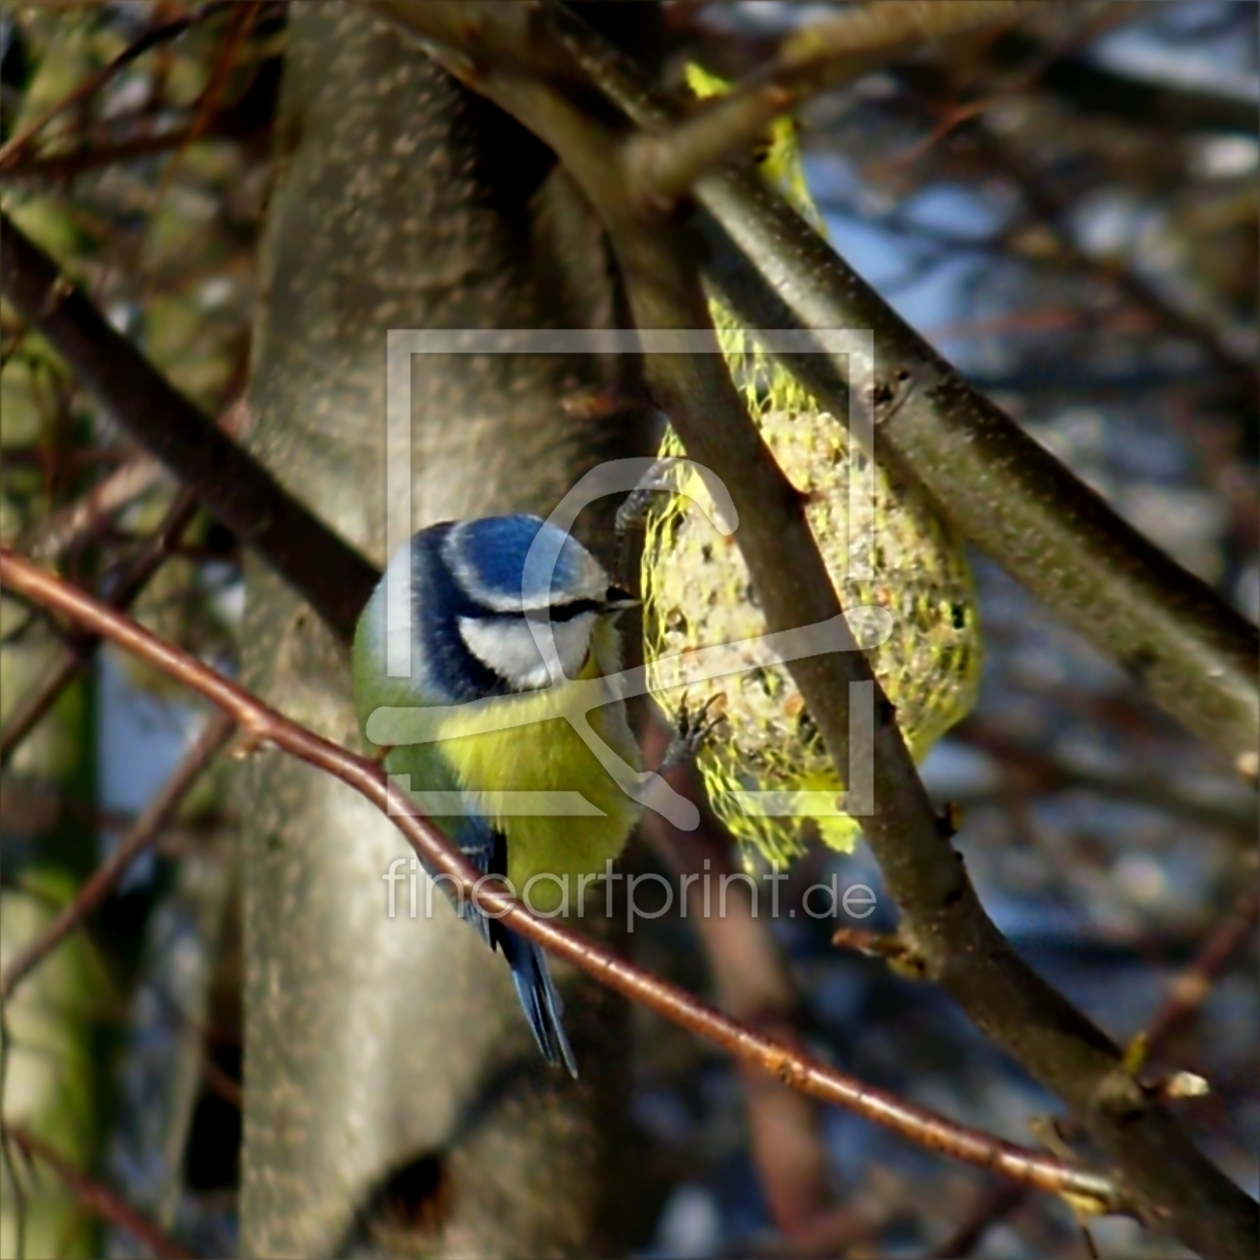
515	563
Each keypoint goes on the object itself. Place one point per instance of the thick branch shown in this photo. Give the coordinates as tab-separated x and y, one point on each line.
942	917
232	485
1194	654
265	725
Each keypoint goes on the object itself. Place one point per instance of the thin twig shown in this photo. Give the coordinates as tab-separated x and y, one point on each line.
244	14
155	35
754	984
58	166
822	57
265	726
142	835
98	1199
69	525
74	657
220	1083
239	121
30	709
1189	988
994	1206
1164	105
1052	214
8	1147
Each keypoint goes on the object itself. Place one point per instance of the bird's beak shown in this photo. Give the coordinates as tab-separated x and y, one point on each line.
618	600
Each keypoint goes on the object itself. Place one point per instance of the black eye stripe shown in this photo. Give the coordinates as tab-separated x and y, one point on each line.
559	612
566	612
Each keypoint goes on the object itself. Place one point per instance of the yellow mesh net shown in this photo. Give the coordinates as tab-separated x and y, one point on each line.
886	549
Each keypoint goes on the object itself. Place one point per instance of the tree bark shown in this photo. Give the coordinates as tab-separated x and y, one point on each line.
378	1045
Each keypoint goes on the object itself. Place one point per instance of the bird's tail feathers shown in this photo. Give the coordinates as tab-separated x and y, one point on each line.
539	999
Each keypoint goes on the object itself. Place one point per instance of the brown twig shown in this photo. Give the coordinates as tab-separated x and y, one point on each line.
155	35
58	166
754	985
243	15
220	1083
79	650
143	834
18	1206
994	1206
1189	988
265	726
1023	76
78	520
1052	214
96	1198
823	56
240	121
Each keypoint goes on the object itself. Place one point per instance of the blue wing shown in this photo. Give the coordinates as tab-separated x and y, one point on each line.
445	658
486	849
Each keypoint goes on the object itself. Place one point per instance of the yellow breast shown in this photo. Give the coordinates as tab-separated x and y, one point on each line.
548	852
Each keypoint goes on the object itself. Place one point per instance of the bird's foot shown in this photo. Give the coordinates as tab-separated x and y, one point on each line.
694	728
658	479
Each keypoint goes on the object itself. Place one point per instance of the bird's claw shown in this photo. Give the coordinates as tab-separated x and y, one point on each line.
693	730
634	509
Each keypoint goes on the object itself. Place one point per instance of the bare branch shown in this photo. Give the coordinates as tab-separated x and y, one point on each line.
994	1205
1052	214
265	726
73	658
754	984
161	33
96	1198
824	56
59	166
233	486
1190	987
143	834
65	527
1093	88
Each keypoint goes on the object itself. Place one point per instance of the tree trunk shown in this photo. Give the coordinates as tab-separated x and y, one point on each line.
392	1087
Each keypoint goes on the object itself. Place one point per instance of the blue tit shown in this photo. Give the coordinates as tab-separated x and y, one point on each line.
471	620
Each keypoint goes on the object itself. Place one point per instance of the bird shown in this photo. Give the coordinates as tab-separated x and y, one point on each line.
475	587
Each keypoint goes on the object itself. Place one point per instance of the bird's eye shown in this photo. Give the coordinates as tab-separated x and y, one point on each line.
617	599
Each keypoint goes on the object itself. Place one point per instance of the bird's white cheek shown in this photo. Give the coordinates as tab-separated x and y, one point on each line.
507	647
573	642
